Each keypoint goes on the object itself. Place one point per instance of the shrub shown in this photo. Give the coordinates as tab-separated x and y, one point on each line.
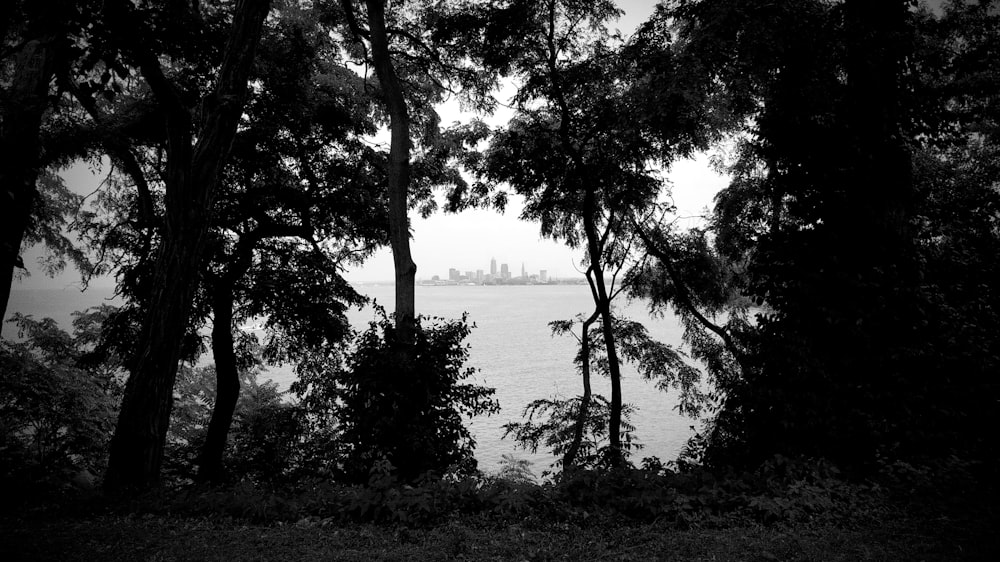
550	423
267	433
56	416
381	402
265	440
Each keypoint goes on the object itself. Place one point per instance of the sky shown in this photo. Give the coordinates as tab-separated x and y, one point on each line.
466	241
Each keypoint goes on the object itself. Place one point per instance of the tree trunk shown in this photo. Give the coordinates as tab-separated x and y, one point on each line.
19	144
569	459
137	447
614	369
603	303
227	386
192	175
594	243
399	172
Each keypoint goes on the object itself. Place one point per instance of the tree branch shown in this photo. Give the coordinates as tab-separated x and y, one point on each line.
685	299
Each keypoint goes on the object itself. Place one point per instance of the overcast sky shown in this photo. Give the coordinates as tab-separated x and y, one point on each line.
469	240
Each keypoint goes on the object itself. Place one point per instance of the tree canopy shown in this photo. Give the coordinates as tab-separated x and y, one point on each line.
839	302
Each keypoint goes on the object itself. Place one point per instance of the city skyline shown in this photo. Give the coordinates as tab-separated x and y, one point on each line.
443	240
456	275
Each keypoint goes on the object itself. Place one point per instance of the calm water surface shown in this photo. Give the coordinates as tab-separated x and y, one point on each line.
514	350
511	346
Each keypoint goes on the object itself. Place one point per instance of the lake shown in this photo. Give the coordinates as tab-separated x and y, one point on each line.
511	346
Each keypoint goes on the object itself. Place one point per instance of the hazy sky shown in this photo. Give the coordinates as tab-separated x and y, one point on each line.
468	240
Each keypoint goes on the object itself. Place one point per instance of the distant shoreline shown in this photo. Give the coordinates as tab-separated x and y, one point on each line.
512	283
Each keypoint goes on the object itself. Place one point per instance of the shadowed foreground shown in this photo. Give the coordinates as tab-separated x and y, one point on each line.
166	537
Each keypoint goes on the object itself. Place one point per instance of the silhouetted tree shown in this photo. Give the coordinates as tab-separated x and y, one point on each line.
823	221
37	47
196	153
579	152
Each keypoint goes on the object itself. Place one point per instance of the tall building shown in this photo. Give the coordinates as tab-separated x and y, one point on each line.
493	267
523	273
479	276
453	274
504	271
543	276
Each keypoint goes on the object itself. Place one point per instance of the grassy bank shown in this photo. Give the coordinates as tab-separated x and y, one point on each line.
149	537
787	512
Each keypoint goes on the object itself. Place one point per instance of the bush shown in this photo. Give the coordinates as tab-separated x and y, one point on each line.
56	416
266	438
551	422
381	402
264	442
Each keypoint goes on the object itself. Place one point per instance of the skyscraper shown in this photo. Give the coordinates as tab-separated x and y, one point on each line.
493	267
523	274
504	271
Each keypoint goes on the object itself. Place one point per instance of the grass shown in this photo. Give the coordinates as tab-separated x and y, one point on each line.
62	535
787	512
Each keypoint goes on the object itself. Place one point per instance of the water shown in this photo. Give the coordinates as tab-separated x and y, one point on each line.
58	304
511	346
514	350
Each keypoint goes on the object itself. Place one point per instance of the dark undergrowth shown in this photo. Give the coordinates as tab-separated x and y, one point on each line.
785	510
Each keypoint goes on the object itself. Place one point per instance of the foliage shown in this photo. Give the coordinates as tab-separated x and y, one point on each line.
515	470
57	412
555	425
53	206
266	436
667	368
844	241
178	534
367	407
781	492
552	423
264	442
584	149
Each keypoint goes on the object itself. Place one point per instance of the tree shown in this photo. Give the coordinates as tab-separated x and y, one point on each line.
295	203
422	52
794	213
687	274
577	428
578	153
955	117
196	155
300	200
823	220
399	162
583	415
554	154
36	43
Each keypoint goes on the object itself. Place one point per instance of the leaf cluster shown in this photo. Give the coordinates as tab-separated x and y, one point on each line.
851	279
551	422
58	407
366	405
